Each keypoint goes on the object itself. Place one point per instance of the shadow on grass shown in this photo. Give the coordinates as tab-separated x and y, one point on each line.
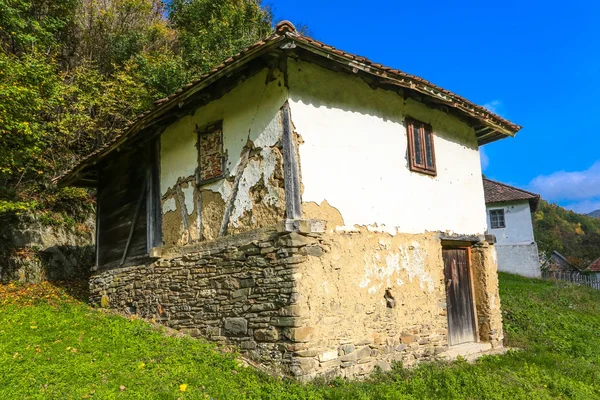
79	289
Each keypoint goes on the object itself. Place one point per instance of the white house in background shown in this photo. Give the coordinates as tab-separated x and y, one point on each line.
509	219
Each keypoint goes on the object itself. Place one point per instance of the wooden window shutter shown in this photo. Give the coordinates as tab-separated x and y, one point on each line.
421	151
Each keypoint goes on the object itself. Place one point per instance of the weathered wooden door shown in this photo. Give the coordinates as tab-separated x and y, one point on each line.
461	315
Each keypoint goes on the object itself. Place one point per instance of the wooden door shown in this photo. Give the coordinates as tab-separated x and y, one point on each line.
461	315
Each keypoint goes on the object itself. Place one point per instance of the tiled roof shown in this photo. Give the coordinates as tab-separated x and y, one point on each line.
595	266
497	192
493	126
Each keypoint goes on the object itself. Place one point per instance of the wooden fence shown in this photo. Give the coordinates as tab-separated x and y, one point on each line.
574	277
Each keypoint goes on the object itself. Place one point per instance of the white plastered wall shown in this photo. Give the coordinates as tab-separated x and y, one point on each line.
517	216
515	244
354	156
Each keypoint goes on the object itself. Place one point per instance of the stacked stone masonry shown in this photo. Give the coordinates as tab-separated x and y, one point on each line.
297	302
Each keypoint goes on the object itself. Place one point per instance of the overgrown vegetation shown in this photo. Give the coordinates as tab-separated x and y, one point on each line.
72	72
55	346
575	236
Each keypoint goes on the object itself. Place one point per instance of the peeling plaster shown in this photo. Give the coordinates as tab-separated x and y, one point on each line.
409	259
250	115
169	205
188	195
223	187
253	173
325	287
249	111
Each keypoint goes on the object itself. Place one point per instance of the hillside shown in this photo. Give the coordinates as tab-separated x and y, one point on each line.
73	73
576	236
595	214
55	346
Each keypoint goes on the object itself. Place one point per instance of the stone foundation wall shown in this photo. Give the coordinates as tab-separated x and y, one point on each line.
237	290
307	304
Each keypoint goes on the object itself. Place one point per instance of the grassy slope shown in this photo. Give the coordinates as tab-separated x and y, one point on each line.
53	346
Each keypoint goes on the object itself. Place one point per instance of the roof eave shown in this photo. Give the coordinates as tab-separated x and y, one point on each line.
165	105
488	126
489	130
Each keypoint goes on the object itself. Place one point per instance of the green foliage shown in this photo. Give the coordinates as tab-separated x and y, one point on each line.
53	346
16	207
208	29
574	235
161	73
28	89
35	25
74	72
112	32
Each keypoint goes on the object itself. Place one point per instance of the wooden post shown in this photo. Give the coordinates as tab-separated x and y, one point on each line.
234	190
98	220
473	293
293	207
153	205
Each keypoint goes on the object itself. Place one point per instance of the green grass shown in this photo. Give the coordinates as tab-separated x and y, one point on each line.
54	346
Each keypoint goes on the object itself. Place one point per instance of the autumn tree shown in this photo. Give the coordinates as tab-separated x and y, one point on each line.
73	72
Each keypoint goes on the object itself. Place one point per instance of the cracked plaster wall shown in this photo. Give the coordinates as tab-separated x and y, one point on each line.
353	154
367	299
342	295
251	142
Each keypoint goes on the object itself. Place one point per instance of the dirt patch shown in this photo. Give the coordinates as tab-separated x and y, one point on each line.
172	227
213	208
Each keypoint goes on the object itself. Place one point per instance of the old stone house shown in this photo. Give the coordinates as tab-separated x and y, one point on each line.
509	211
320	211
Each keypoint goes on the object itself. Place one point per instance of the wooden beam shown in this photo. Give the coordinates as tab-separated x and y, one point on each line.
293	206
98	228
236	184
153	203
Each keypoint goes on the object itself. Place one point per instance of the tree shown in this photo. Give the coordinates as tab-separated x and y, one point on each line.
73	72
210	31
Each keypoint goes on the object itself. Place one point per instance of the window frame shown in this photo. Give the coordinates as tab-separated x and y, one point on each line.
208	129
497	210
424	129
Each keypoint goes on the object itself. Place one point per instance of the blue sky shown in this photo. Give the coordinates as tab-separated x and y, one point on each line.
536	63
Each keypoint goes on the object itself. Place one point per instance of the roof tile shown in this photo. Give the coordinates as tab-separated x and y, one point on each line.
594	266
497	192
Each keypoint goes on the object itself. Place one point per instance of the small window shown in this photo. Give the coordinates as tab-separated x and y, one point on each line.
211	159
497	219
421	152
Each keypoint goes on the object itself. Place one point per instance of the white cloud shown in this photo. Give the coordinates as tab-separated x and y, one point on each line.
563	185
483	157
579	190
584	207
494	106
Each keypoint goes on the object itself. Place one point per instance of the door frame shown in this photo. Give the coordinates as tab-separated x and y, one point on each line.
449	245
